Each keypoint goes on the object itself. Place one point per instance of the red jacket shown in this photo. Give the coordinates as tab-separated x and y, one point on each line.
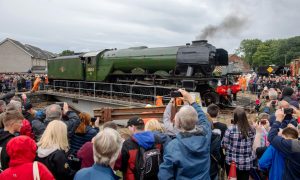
22	152
26	129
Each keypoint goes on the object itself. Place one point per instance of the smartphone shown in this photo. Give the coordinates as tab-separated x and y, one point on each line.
263	122
288	110
61	104
175	94
93	119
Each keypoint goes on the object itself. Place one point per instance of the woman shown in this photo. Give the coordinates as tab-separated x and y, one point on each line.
83	133
22	152
107	146
238	142
156	127
52	149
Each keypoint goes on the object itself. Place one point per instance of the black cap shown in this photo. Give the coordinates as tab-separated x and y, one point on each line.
135	121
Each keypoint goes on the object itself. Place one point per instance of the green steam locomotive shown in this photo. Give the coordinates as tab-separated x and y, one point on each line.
189	66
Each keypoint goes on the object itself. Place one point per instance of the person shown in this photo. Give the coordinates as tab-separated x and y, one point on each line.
156	127
53	148
106	148
85	153
287	94
238	142
54	111
289	148
188	155
262	127
131	147
216	157
29	112
168	122
83	133
22	152
12	124
272	160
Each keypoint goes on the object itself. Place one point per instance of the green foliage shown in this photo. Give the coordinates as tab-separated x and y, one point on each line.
67	53
277	52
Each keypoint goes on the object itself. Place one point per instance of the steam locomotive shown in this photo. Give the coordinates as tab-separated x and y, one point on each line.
189	66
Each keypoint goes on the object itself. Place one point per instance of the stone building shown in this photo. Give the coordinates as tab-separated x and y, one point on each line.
16	57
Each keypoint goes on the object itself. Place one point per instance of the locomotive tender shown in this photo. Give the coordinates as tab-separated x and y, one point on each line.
189	66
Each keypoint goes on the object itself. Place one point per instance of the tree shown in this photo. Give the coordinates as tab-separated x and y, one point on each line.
248	48
67	53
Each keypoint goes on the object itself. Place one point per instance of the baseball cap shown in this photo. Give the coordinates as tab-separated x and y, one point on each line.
135	121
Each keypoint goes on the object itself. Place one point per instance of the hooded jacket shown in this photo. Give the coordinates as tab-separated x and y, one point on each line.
145	139
5	137
57	162
22	151
188	155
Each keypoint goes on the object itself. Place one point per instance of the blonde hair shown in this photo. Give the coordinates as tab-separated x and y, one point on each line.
55	135
125	133
153	125
107	146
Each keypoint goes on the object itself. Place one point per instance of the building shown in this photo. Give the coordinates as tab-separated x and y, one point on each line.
16	57
240	63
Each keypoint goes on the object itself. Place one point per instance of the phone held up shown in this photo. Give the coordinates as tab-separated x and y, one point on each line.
175	94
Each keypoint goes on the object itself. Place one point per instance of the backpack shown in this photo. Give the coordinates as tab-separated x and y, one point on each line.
147	163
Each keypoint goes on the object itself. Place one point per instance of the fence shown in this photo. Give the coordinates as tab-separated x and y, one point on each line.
111	90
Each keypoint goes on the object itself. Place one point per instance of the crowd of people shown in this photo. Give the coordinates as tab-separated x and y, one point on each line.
56	143
20	82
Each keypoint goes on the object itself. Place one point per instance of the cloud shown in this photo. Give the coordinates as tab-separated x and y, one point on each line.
56	25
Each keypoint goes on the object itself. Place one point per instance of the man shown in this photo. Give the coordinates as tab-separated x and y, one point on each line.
12	124
54	112
289	148
188	155
272	160
140	139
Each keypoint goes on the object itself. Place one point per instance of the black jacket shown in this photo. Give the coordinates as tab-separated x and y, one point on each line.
215	155
57	162
5	136
71	120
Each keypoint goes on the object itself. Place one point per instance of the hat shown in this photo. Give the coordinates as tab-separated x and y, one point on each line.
27	106
135	121
287	91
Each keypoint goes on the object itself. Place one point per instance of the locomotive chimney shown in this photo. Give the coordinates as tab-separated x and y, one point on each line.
199	42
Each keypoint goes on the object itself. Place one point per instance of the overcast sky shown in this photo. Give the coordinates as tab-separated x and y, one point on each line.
84	25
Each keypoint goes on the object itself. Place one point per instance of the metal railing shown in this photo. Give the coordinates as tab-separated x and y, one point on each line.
111	90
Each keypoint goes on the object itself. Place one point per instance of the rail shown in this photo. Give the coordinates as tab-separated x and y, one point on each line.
127	92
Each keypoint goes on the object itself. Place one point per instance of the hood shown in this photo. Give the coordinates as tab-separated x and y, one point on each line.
21	149
191	140
42	153
5	135
144	139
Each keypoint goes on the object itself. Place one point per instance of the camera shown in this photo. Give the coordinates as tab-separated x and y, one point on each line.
288	110
175	94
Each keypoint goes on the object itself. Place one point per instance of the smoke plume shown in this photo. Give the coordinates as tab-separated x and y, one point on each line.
231	25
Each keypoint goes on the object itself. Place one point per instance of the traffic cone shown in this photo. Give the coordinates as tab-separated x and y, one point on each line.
232	171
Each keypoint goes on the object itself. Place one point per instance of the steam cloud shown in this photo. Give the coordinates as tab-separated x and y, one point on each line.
231	24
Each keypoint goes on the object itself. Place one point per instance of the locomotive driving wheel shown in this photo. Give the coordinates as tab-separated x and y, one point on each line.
211	97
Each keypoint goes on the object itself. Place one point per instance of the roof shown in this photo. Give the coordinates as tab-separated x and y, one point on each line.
93	53
33	51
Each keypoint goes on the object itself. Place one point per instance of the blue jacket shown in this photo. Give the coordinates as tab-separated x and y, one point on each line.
273	161
290	150
97	171
188	155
